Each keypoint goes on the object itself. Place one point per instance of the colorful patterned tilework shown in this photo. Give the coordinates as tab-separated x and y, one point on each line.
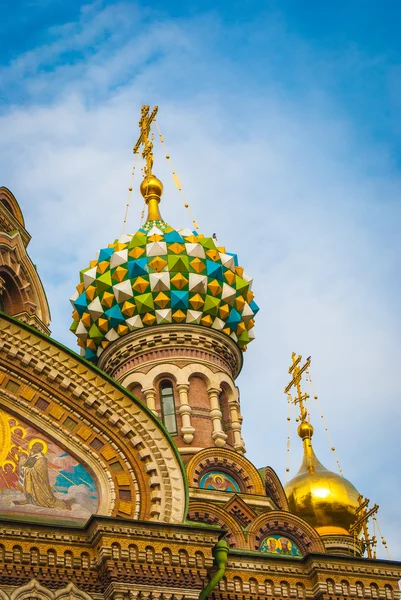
158	276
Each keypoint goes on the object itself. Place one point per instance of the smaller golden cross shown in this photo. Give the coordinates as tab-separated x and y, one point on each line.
144	125
362	515
296	371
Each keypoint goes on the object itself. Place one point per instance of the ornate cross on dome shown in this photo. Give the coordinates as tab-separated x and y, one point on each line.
144	125
296	372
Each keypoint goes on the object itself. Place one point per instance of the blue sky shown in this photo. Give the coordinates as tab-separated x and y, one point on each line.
282	120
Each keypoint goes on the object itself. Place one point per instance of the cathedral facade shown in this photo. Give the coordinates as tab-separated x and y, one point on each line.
123	473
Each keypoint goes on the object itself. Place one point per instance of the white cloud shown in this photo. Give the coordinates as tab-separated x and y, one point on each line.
286	181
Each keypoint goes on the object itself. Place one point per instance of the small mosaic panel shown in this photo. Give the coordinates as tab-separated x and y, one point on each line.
281	546
216	480
158	276
38	479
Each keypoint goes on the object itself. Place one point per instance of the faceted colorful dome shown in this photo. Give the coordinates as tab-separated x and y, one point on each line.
156	276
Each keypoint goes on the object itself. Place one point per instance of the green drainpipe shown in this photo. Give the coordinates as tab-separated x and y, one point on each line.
220	554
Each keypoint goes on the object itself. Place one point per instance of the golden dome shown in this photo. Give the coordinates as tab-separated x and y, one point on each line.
325	500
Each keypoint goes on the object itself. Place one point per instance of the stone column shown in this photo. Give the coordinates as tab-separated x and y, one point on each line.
233	406
150	397
218	434
187	431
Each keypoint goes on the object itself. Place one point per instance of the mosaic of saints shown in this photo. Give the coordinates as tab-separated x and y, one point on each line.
34	480
39	478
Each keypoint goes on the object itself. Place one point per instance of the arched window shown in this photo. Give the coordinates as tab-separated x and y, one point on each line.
168	406
389	592
359	589
330	587
345	587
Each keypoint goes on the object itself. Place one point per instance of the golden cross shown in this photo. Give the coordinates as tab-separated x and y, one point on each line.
362	514
296	371
144	125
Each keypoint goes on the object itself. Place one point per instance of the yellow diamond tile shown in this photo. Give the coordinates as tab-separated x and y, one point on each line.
197	265
105	343
196	301
176	248
179	281
241	328
128	309
158	263
192	239
227	330
161	300
179	316
224	311
84	432
80	287
155	238
81	343
230	277
120	246
149	319
239	271
119	274
122	329
108	453
239	303
107	299
213	254
56	412
102	267
214	287
90	292
136	252
125	507
221	249
250	324
75	315
91	344
110	245
27	393
207	320
123	479
140	285
103	324
92	263
250	296
86	319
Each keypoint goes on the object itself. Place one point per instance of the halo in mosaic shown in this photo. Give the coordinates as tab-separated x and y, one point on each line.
156	276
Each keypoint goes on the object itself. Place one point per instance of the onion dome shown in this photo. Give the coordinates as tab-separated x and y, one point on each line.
161	275
326	500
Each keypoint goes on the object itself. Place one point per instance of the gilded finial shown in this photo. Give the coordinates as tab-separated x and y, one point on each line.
151	187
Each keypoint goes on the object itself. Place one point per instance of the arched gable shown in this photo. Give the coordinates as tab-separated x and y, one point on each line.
21	290
8	200
288	525
229	462
34	589
211	514
94	419
274	488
